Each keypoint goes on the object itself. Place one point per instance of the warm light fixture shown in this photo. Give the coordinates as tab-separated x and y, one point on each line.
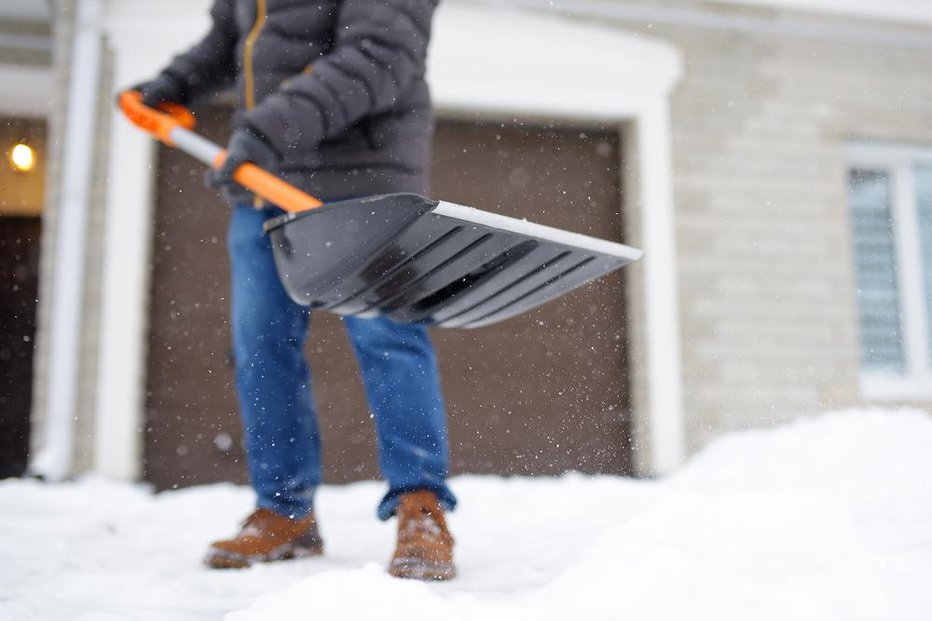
23	157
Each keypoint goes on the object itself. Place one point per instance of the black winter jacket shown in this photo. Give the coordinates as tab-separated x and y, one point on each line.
337	86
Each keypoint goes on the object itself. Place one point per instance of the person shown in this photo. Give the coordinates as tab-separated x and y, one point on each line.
331	97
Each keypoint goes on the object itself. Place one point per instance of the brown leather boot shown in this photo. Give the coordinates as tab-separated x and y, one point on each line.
265	537
425	546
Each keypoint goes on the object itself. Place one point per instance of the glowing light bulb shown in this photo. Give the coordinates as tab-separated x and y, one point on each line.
23	158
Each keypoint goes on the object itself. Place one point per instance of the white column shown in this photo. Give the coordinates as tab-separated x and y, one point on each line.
55	458
125	292
661	299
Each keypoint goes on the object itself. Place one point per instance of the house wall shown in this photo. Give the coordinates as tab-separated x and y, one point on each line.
760	121
768	100
137	34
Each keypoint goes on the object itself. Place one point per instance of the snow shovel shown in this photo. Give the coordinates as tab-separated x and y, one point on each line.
404	256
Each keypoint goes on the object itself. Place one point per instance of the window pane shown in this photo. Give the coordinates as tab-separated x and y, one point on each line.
875	265
924	196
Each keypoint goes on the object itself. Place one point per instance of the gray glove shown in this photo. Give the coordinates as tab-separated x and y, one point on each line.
245	146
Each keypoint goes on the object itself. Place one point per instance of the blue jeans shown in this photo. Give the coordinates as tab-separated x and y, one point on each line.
399	370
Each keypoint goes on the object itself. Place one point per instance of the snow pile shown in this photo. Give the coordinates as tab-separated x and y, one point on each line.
829	518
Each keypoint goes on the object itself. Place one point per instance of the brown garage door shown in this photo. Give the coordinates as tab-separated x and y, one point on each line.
539	394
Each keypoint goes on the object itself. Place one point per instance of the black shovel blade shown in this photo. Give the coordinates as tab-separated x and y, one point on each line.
417	260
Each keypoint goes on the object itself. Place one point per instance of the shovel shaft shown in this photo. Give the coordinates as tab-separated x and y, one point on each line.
173	124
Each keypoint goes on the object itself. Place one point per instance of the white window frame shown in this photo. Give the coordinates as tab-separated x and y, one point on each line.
899	163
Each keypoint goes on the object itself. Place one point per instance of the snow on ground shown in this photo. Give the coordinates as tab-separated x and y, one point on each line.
824	519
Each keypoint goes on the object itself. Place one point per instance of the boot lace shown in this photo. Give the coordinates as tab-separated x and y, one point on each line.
254	525
421	523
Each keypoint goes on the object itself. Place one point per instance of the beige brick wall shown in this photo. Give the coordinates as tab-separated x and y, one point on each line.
760	122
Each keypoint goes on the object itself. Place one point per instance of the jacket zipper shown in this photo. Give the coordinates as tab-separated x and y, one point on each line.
249	86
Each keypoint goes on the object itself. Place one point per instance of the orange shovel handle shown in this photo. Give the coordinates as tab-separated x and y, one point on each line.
159	122
168	118
270	187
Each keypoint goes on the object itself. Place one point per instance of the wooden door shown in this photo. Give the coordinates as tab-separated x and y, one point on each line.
539	394
19	285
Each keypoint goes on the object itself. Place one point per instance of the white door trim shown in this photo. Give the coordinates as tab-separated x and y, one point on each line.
482	59
501	62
